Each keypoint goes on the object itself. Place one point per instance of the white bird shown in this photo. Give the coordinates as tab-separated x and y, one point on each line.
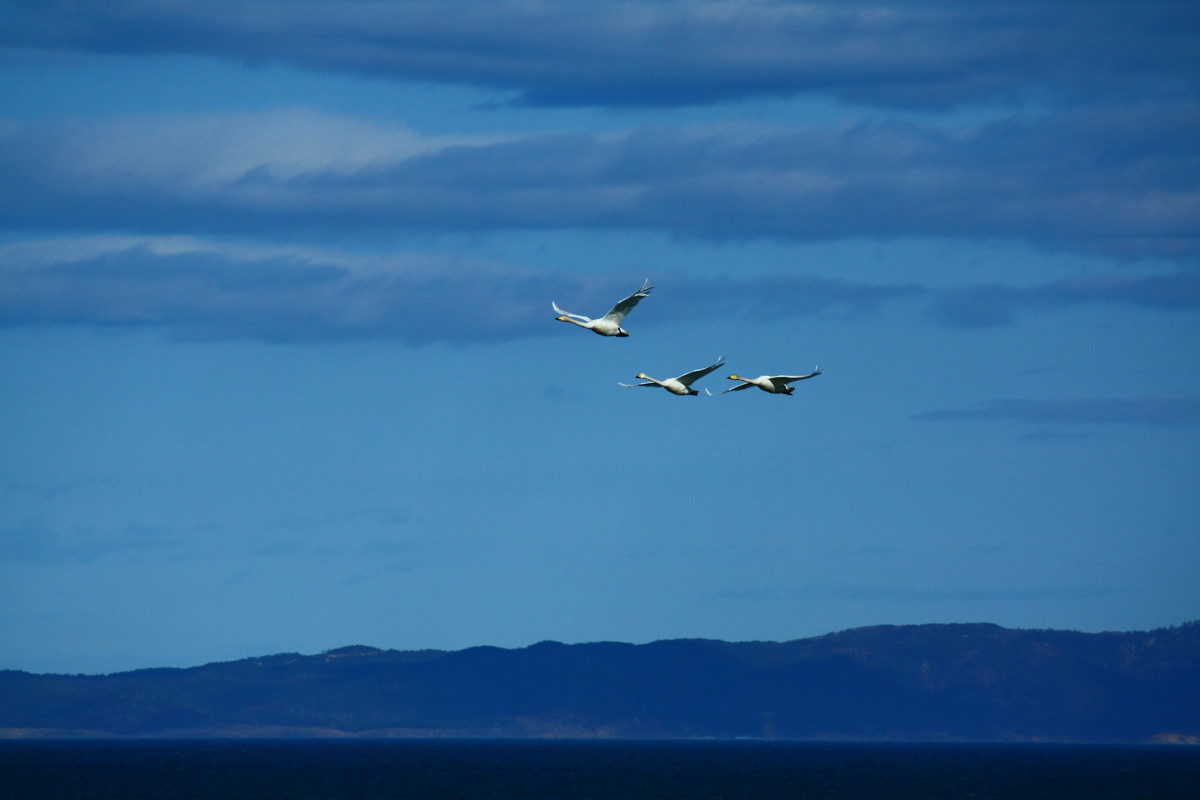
775	384
681	385
610	323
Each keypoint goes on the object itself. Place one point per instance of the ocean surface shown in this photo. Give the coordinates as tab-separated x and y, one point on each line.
604	770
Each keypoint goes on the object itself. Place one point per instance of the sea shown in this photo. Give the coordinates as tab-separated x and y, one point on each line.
591	770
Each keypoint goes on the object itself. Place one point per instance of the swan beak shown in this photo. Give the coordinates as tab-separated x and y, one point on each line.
561	319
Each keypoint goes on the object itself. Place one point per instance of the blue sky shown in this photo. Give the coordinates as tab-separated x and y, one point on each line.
279	371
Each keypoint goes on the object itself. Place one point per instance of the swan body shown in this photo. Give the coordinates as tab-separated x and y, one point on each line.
610	323
775	384
681	385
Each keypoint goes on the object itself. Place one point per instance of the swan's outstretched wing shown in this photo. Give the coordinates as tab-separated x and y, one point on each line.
562	313
737	388
789	378
622	308
635	385
690	377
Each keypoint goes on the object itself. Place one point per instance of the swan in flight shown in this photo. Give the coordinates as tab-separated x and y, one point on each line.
775	384
681	385
610	323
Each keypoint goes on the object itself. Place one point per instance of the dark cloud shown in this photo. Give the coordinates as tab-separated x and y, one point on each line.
1121	183
910	594
1165	411
779	296
992	305
40	544
665	53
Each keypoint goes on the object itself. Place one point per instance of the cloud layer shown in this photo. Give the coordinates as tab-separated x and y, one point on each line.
201	289
929	53
1085	168
1170	411
985	306
196	289
1118	182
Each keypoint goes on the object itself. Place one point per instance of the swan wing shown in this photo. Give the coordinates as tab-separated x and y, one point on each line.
562	313
789	378
636	385
618	312
737	388
689	377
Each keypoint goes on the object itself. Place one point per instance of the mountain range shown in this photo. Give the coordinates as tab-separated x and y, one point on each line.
958	682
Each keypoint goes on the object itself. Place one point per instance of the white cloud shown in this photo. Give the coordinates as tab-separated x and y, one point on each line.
199	151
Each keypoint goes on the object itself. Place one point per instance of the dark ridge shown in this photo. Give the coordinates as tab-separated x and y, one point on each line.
972	682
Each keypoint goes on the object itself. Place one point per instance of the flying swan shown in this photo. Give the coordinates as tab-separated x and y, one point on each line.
775	384
681	385
610	323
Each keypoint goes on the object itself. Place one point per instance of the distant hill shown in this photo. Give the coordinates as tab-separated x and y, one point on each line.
921	683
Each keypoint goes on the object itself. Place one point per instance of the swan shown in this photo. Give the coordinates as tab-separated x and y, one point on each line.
610	323
681	385
775	384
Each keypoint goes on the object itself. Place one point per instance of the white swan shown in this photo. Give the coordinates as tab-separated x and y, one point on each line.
610	323
681	385
775	384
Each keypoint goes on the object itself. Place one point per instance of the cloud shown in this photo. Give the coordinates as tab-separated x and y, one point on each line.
665	53
845	593
205	291
992	305
1116	182
196	289
908	594
1156	411
218	172
39	544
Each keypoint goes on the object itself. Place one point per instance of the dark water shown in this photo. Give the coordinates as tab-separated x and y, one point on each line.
482	770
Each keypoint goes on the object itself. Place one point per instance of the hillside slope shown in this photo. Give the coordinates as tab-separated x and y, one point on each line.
924	682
